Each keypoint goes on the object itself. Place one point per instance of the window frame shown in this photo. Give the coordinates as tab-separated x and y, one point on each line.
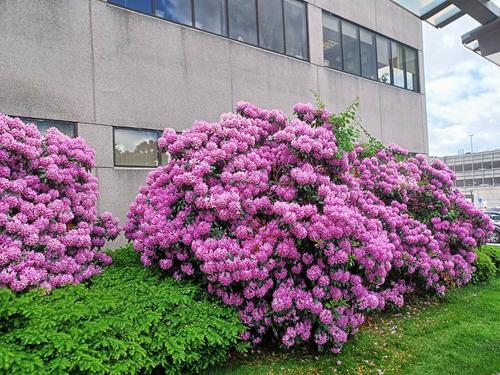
193	25
158	152
257	36
404	46
26	120
306	14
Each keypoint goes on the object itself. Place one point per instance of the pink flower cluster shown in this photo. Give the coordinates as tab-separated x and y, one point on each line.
303	239
50	233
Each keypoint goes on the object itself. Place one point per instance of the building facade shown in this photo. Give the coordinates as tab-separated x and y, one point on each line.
117	72
477	176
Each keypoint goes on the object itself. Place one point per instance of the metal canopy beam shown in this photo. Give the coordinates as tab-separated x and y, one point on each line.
477	10
450	19
435	10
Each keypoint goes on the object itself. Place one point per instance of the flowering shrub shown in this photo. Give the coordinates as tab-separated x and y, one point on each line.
50	233
302	231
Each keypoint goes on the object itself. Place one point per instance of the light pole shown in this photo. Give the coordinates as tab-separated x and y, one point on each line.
472	167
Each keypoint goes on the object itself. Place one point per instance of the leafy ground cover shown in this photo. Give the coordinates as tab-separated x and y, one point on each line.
128	320
460	335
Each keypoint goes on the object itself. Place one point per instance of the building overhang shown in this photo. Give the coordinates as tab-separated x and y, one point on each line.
484	40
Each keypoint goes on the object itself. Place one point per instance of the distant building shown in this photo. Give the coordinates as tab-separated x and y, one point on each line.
478	176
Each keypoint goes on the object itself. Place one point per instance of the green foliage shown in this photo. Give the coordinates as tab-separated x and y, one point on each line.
128	320
493	252
485	268
348	130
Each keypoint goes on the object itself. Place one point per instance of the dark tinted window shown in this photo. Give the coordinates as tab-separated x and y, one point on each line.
67	128
350	47
243	20
411	69
271	25
383	59
136	147
332	42
296	29
210	15
368	54
144	6
175	10
487	165
397	60
488	181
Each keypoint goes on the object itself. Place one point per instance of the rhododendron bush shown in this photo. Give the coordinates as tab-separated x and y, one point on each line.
303	236
50	233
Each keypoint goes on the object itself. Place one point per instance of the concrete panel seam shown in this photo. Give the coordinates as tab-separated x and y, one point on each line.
92	57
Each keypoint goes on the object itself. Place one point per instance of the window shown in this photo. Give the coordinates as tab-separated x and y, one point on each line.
271	31
210	15
296	29
243	20
383	59
356	50
350	48
332	42
411	69
276	25
138	5
67	128
175	10
397	61
368	54
136	147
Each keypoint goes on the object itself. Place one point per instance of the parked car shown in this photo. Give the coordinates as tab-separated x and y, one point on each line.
495	217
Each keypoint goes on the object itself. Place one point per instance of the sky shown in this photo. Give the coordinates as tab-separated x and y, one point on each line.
462	92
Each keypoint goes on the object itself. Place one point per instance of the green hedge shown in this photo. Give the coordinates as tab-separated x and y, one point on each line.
493	251
124	321
485	266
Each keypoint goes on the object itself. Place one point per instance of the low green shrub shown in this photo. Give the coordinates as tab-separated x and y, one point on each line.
493	252
125	321
485	268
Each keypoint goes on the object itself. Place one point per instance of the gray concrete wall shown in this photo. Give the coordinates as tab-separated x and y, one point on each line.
101	66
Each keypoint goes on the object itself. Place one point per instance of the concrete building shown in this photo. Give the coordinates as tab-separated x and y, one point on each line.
117	72
478	176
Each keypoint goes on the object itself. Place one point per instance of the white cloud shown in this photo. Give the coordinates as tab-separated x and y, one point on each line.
463	92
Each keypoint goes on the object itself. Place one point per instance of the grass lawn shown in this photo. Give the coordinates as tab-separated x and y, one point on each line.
460	335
